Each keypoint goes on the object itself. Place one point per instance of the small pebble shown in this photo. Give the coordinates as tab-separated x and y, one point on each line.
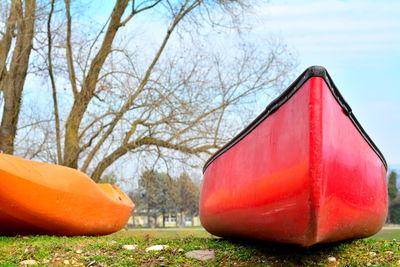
66	262
28	262
113	242
78	251
202	255
25	237
372	253
331	259
129	247
389	252
156	248
181	250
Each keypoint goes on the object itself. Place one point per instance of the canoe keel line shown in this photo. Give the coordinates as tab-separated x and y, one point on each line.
303	172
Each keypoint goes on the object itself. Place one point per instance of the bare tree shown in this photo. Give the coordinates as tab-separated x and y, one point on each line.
16	38
184	106
167	101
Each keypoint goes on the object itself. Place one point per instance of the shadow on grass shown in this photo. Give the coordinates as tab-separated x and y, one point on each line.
287	254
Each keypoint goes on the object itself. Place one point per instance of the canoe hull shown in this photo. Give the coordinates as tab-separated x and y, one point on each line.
304	175
40	198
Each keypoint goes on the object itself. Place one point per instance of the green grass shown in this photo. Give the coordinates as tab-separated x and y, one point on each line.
53	251
388	234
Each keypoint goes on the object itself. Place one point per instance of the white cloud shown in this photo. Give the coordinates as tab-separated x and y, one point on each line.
333	26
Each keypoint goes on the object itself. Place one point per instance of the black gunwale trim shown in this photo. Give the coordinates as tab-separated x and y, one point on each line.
313	71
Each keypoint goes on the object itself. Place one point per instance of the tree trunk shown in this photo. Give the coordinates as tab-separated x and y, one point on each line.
53	84
13	81
148	216
163	219
181	220
71	142
82	99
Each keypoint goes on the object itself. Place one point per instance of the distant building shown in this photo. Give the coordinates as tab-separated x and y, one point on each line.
141	219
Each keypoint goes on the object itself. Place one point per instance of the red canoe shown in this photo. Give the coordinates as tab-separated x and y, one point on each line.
42	198
303	172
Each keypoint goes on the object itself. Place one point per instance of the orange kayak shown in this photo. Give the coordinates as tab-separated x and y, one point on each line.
42	198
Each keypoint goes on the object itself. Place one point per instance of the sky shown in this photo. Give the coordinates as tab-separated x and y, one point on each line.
358	42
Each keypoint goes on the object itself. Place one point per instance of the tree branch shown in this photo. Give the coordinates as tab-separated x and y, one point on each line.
146	141
69	55
53	84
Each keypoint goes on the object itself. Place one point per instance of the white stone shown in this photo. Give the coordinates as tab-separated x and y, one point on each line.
156	248
129	247
201	255
28	262
66	262
331	259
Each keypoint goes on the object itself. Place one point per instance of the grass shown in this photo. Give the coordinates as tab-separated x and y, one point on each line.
108	250
388	234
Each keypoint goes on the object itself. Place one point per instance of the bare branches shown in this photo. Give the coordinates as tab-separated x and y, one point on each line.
69	55
139	10
122	150
184	118
183	11
166	99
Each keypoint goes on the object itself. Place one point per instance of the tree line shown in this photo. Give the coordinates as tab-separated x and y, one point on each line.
159	194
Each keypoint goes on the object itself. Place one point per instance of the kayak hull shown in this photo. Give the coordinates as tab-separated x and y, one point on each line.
303	174
41	198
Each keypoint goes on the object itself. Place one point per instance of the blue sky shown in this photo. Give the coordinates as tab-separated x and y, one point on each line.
359	44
